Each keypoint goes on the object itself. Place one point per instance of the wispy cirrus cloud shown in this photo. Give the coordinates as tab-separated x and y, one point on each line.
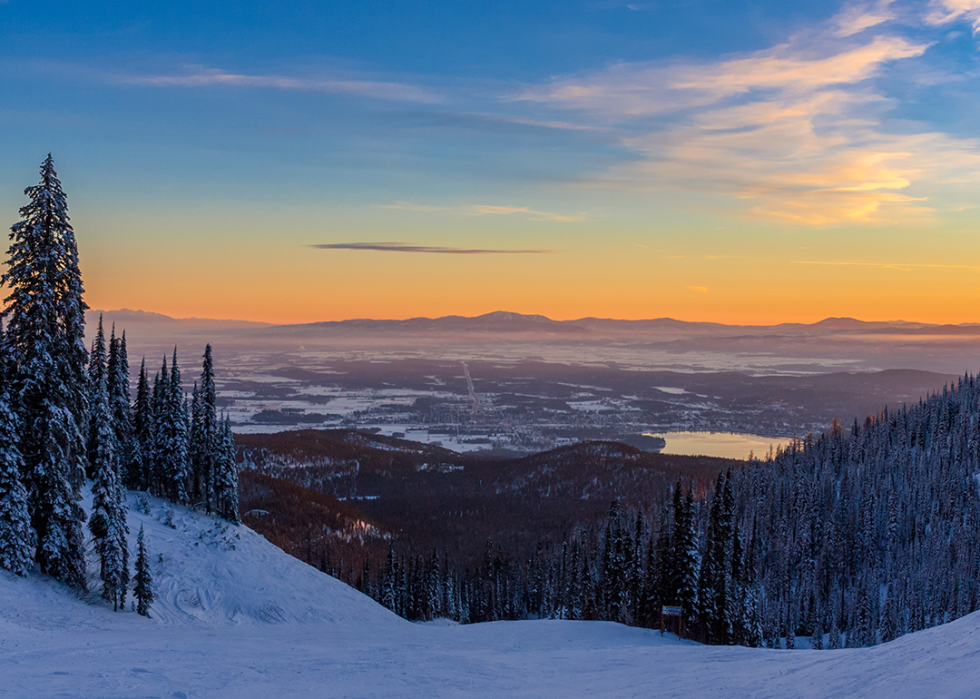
794	134
198	76
856	18
486	210
408	247
946	11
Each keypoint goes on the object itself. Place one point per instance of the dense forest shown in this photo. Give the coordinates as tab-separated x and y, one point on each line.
429	497
845	539
66	418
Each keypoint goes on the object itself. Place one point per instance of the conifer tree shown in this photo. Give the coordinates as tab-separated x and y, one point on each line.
143	591
117	383
687	558
172	437
17	539
226	478
45	339
613	572
96	383
108	520
158	451
197	488
206	429
141	475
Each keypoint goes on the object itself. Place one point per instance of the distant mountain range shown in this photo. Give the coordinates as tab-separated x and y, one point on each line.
503	322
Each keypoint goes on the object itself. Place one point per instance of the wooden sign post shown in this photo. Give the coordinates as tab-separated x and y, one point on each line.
666	611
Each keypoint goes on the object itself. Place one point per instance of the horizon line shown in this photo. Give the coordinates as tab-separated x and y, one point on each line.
534	316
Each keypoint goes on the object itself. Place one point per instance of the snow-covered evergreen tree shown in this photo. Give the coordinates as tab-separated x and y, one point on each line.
17	540
144	431
96	382
117	384
686	555
198	493
158	449
143	590
226	475
172	434
108	520
45	338
206	434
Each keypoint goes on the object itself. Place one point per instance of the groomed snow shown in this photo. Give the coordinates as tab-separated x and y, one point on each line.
240	619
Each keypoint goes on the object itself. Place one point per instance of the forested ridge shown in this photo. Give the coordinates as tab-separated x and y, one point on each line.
849	539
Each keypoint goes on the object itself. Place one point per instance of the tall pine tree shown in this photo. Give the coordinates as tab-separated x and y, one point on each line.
96	382
108	520
45	338
206	434
117	384
141	471
17	540
143	591
226	476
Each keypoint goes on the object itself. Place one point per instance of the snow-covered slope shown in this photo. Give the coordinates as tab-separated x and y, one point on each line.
206	573
239	618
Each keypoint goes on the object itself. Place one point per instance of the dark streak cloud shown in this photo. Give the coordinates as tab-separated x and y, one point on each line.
406	247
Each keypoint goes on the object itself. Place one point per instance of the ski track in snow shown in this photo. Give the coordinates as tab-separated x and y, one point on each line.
239	618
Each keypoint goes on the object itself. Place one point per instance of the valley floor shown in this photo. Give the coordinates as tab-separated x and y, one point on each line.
238	618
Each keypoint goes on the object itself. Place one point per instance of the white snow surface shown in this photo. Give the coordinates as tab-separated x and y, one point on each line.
239	618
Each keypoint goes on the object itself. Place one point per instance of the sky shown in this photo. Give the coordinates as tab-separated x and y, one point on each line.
732	161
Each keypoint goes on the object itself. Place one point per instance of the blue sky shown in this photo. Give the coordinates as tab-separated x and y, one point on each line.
650	157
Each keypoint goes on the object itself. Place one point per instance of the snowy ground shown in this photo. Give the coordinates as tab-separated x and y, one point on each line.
238	618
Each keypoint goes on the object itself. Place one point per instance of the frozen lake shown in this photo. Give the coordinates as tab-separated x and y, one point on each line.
727	445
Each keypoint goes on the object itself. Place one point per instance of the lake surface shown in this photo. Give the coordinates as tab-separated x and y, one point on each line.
727	445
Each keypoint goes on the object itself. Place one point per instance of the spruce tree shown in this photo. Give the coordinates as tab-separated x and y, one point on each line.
45	339
17	540
197	489
141	473
108	520
226	478
206	429
96	383
117	383
686	555
172	436
158	450
143	591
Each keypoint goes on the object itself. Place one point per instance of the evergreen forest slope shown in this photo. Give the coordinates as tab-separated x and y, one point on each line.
239	618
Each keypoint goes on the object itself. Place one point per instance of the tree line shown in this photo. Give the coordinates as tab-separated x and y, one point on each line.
848	541
66	415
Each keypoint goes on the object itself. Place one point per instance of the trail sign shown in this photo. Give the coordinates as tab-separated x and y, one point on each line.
666	611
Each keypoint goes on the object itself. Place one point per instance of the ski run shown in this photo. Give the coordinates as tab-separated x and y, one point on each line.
237	617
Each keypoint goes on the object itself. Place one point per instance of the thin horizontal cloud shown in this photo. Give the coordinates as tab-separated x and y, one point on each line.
486	210
407	247
791	135
900	266
198	77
